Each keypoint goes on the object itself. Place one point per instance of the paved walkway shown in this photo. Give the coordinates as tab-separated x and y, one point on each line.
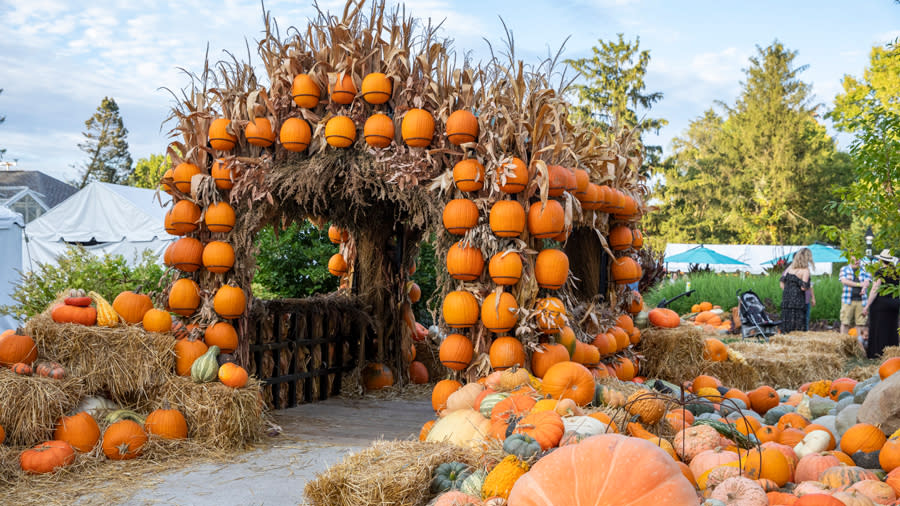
315	436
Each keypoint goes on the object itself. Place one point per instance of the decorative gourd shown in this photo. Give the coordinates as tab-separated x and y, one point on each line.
664	317
50	370
647	406
607	396
47	457
463	427
449	476
22	369
513	378
124	440
455	498
106	314
473	483
205	368
818	499
814	442
500	481
877	491
464	398
232	375
739	491
522	446
79	430
584	425
581	475
844	476
166	423
692	441
489	402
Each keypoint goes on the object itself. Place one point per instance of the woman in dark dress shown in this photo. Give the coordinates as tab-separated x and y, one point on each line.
882	309
794	284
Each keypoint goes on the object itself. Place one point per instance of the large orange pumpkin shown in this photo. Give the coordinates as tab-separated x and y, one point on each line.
551	269
569	380
464	262
506	352
499	314
183	218
505	268
378	131
456	352
460	309
259	132
459	216
664	317
217	257
295	135
512	176
376	88
186	254
462	126
229	302
862	437
507	218
79	430
602	470
441	392
184	297
219	137
340	132
132	306
546	220
626	270
546	356
223	335
417	128
305	91
889	367
16	348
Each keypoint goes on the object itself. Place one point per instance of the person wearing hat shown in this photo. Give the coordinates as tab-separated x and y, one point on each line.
882	309
853	299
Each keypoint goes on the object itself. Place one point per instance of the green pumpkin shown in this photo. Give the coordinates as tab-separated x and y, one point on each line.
699	406
773	415
521	445
449	476
473	484
488	403
206	367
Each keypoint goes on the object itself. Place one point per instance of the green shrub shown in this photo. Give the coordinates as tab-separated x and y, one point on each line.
721	289
107	275
426	277
293	262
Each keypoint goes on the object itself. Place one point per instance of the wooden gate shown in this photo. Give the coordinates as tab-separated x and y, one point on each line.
302	348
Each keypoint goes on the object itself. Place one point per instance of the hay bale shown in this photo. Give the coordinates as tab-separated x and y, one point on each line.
218	416
388	472
821	342
890	352
126	362
862	373
31	405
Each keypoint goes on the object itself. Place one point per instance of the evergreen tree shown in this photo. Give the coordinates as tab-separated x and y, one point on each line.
612	89
148	172
106	146
763	174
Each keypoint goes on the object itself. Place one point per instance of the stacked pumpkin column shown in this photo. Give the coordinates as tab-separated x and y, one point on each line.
204	254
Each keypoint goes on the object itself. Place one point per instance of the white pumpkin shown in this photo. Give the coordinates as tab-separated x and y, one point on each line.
584	425
464	398
463	427
814	442
96	406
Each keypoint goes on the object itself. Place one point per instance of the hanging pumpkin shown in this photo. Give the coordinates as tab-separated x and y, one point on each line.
460	215
551	269
417	128
166	423
462	127
378	131
506	352
620	238
344	90
157	320
229	302
305	92
464	262
259	132
626	271
124	440
337	266
551	315
182	176
295	135
340	132
499	313
183	218
219	137
590	200
222	174
223	335
220	217
132	306
338	235
582	180
184	297
46	457
79	430
233	375
376	88
546	220
507	218
185	254
468	175
460	309
218	257
558	177
512	176
505	268
456	352
638	239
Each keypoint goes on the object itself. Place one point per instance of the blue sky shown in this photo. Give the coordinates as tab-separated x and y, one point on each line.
59	58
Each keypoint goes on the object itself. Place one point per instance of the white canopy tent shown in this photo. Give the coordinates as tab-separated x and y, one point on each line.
11	224
754	255
104	218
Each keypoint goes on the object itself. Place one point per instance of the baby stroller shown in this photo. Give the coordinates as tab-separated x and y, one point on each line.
754	320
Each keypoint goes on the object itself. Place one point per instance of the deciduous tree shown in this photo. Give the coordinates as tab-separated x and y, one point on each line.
148	172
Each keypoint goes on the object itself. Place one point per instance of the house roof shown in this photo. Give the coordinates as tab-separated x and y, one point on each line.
51	189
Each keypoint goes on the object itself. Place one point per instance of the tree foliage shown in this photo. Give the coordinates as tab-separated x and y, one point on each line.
612	88
293	262
106	146
869	109
149	171
107	275
761	172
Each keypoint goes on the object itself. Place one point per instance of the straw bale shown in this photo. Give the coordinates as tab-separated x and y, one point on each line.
821	342
862	373
388	472
31	405
674	355
890	352
218	416
126	363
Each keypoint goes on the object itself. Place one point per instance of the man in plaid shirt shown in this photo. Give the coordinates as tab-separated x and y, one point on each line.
853	299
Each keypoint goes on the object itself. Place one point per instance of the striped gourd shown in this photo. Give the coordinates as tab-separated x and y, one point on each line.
106	315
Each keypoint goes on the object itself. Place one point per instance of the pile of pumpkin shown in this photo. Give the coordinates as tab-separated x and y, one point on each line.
761	447
19	353
709	317
125	435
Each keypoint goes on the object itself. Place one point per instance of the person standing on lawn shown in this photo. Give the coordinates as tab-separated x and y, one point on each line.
883	308
810	302
853	299
794	285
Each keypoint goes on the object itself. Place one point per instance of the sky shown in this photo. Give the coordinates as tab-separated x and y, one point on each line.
59	58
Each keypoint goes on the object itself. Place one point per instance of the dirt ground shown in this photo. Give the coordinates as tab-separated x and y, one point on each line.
314	437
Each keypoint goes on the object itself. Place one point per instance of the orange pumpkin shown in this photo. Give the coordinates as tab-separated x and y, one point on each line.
219	137
862	437
468	174
259	132
132	306
417	128
512	176
462	126
546	427
715	350
186	352
792	420
157	320
223	335
377	376
418	373
763	399
182	175
79	430
626	270
505	268
889	456
456	352
464	262
217	257
811	466
889	367
551	269
546	356
620	238
769	464
551	315
664	317
499	313
507	218
232	375
15	348
183	218
344	90
305	92
229	302
219	217
546	220
378	131
506	352
459	216
123	440
295	135
460	309
185	254
569	380
376	88
337	266
340	132
441	392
